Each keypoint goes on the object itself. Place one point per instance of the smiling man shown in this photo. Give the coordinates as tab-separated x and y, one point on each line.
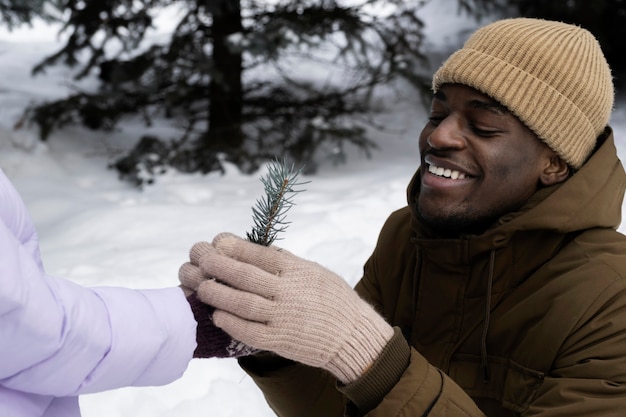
499	290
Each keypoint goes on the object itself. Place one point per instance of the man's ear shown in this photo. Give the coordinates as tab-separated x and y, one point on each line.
555	170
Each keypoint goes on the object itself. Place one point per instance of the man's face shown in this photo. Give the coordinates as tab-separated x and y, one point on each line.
478	161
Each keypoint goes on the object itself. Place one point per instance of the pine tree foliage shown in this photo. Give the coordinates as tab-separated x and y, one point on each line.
241	80
14	13
269	213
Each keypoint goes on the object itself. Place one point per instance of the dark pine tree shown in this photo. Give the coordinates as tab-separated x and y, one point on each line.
225	87
245	81
14	13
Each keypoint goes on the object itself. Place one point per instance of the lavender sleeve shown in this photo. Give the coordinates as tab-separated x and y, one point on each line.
60	339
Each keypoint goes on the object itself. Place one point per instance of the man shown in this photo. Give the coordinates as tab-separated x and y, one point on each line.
498	291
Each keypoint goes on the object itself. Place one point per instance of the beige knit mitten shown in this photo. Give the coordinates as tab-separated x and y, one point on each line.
270	299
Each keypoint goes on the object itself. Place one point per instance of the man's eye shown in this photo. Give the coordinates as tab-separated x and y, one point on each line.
435	120
483	132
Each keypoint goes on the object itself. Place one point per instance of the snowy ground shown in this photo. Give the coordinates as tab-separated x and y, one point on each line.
96	230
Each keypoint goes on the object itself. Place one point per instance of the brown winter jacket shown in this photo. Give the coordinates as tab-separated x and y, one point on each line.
526	319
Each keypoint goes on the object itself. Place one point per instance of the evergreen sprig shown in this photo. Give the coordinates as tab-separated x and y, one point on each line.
270	211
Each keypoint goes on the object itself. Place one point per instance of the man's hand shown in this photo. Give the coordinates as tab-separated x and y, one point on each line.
272	300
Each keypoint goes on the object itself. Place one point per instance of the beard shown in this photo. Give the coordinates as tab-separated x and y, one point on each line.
462	219
456	224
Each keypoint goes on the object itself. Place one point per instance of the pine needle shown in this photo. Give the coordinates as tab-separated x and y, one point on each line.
270	211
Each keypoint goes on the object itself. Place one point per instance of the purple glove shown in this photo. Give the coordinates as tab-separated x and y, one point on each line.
212	341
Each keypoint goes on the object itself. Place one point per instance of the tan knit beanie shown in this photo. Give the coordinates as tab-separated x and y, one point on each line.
551	75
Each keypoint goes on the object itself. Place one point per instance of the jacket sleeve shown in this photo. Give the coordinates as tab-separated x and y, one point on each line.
58	338
295	390
26	404
292	389
402	383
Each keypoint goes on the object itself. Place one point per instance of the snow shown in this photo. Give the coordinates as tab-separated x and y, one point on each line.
96	230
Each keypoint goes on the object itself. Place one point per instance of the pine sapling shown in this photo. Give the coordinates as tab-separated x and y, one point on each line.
270	211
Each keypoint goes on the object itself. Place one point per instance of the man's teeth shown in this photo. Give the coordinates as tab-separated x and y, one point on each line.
448	173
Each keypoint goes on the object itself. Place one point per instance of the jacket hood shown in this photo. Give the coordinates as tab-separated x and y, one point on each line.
592	197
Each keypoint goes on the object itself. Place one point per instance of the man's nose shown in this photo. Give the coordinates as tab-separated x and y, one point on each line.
448	134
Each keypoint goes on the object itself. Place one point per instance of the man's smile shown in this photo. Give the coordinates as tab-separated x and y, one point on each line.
446	172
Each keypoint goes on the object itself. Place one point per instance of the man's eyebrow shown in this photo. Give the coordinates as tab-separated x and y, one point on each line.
493	107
